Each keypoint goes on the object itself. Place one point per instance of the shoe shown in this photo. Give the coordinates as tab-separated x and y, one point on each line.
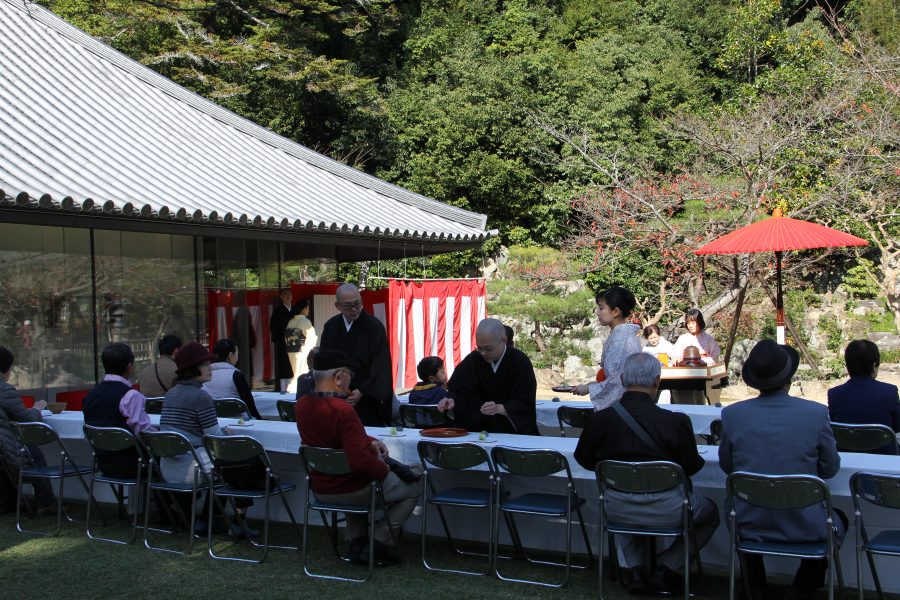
667	582
635	580
237	531
201	528
358	552
386	556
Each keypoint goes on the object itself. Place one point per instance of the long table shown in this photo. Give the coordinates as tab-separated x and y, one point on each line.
282	440
701	416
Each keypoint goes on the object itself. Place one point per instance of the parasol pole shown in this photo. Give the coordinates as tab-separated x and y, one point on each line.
779	301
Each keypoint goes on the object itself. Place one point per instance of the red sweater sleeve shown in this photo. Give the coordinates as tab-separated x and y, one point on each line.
363	458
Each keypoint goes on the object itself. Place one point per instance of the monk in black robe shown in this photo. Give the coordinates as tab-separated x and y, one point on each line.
493	389
362	337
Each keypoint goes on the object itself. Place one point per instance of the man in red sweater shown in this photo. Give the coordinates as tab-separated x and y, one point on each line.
326	419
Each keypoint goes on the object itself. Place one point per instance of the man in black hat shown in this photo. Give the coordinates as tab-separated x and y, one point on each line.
779	434
327	419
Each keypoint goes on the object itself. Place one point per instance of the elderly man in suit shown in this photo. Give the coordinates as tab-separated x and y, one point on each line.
862	399
779	434
656	434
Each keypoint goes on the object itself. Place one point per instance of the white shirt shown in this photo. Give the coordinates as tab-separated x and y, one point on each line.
496	365
348	324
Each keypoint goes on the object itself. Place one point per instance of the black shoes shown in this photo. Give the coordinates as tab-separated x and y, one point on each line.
636	581
385	555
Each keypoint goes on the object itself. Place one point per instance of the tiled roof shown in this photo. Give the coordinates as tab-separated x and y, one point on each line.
86	130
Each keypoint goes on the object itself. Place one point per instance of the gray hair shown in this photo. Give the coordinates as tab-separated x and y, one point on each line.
323	375
640	370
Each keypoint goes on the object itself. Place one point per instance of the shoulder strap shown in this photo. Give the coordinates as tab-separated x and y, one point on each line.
637	429
156	371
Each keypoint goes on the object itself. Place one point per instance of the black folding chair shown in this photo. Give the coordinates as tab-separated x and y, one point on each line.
420	416
40	434
572	416
651	477
537	464
781	492
170	444
226	451
231	408
864	438
881	490
115	439
286	410
437	456
329	461
153	406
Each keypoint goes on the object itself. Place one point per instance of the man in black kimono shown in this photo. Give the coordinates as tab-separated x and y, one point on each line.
362	337
493	388
281	316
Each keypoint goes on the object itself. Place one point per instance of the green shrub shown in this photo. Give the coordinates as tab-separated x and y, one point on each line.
832	331
890	356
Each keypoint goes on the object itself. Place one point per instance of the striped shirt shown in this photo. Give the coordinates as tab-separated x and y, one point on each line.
189	410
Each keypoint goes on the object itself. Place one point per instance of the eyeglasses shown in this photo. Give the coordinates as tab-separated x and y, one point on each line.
350	305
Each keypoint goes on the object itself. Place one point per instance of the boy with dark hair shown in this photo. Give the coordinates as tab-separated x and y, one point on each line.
113	403
432	386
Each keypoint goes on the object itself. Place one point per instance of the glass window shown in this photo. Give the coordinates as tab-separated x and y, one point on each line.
145	290
46	317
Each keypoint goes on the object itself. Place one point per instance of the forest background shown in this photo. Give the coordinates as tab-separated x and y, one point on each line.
605	140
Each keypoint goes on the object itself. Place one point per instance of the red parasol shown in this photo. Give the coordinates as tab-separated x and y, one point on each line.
779	234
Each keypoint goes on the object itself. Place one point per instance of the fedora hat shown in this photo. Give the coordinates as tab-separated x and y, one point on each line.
770	365
191	355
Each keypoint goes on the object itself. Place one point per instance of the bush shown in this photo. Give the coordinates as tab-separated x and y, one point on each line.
832	331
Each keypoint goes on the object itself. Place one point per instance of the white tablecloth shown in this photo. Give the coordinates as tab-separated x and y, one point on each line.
282	441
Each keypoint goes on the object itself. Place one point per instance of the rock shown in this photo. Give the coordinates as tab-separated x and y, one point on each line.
574	369
548	378
739	354
885	341
569	287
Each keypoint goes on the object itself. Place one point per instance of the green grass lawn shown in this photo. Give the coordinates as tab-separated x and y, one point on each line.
71	566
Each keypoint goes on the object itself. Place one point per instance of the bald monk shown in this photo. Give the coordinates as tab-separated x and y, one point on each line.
361	337
493	388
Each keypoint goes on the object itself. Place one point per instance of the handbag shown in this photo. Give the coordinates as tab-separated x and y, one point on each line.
294	339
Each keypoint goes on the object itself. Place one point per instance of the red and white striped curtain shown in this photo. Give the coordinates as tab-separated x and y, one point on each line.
432	318
429	318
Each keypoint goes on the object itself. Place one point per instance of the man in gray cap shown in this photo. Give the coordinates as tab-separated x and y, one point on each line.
326	419
779	434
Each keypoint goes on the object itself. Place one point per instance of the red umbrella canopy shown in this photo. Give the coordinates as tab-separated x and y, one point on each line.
778	234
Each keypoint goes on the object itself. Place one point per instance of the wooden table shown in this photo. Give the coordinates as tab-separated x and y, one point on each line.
706	379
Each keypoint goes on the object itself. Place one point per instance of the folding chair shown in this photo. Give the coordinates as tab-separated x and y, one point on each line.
329	461
153	406
41	434
437	456
227	450
572	416
231	408
864	438
286	410
115	439
881	490
651	477
169	444
542	464
420	416
781	492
